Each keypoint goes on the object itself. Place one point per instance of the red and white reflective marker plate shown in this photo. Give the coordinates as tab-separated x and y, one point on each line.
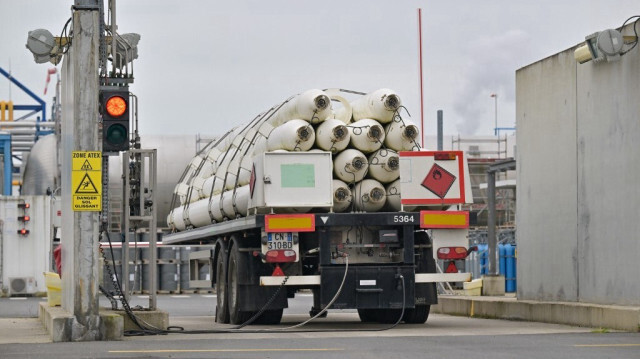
431	178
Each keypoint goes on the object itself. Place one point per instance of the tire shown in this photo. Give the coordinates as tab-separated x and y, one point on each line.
417	315
273	316
367	315
222	299
233	288
388	316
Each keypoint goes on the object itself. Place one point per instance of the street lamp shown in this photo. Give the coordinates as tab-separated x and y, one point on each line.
495	129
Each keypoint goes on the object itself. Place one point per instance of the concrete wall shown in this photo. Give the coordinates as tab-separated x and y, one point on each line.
546	175
578	129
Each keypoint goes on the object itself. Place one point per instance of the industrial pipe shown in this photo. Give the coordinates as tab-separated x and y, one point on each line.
27	124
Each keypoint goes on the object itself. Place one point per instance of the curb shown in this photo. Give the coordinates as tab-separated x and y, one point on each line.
617	317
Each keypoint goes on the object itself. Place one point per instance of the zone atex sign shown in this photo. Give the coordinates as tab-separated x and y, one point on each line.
86	181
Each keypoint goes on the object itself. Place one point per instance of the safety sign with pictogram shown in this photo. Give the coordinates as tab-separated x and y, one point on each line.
434	178
438	181
86	181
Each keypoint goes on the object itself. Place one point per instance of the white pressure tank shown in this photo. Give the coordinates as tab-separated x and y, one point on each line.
380	105
332	135
350	165
393	197
313	106
402	135
198	213
295	135
369	196
235	202
367	135
384	165
341	196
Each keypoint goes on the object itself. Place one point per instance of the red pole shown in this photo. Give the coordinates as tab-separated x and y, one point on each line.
421	85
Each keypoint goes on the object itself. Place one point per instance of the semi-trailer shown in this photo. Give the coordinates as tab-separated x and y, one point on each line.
338	200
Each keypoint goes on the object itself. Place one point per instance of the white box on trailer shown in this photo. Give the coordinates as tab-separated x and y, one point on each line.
295	180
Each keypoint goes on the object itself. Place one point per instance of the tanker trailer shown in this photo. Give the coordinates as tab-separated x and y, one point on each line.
356	216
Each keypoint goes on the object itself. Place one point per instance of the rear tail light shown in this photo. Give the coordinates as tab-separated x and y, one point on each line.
280	256
444	156
452	253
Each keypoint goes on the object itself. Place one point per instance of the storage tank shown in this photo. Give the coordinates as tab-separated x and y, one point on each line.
41	169
173	152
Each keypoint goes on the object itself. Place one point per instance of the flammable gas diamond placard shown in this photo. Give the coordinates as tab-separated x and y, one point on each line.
438	181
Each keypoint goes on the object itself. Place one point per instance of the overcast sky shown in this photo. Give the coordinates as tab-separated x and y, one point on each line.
206	66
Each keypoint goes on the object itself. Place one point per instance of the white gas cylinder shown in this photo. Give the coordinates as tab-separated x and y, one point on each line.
350	165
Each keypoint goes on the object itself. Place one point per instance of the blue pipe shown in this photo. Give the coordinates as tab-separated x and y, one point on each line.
43	105
27	107
496	130
5	143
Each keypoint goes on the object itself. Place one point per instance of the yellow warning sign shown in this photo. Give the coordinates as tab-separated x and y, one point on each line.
86	181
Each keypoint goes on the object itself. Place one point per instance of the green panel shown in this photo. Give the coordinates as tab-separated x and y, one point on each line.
298	175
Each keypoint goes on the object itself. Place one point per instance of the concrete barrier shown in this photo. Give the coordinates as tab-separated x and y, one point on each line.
617	317
58	323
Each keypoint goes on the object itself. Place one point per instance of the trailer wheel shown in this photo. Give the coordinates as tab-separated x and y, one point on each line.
367	315
273	316
222	300
235	315
388	316
417	315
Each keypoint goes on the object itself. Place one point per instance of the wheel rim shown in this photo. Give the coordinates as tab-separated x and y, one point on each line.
220	285
233	290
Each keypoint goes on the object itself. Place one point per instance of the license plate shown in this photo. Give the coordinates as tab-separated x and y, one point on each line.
279	241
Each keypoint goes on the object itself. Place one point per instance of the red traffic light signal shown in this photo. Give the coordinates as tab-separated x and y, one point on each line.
114	107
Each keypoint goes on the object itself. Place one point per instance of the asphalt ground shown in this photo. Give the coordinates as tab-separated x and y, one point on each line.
340	335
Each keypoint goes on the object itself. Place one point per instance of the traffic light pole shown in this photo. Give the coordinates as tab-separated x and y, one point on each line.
80	229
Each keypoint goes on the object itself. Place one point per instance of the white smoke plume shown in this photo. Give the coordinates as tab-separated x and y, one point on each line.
491	67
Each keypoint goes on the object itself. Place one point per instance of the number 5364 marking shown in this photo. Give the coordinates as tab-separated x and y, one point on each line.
403	219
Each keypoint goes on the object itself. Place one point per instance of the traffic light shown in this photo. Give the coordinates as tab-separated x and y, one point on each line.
114	107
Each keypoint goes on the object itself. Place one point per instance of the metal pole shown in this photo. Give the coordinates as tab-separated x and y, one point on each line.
113	36
126	228
153	233
495	128
421	84
440	124
80	133
491	223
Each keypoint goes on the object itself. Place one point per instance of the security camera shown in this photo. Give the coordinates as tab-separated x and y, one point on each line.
601	46
42	45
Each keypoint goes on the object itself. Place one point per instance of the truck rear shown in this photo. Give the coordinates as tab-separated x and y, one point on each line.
381	263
